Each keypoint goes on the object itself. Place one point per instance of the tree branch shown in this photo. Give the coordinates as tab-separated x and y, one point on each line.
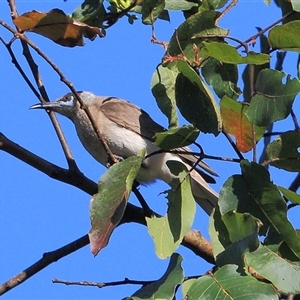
193	239
103	284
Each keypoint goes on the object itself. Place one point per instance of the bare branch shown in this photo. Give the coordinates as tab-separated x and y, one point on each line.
103	284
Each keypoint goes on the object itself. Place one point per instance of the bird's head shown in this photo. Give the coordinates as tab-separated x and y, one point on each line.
66	105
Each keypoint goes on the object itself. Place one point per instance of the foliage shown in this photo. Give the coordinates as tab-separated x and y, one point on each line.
255	248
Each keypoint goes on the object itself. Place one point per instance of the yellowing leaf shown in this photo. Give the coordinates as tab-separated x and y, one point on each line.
108	205
236	123
57	26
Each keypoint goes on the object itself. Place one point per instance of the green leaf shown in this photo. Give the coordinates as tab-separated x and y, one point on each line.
186	286
234	196
176	138
284	151
165	287
162	86
270	202
168	231
222	77
251	71
151	9
218	233
235	120
179	5
195	101
286	8
228	283
193	31
91	12
290	195
240	226
213	4
295	5
228	54
285	36
108	205
243	236
284	275
273	99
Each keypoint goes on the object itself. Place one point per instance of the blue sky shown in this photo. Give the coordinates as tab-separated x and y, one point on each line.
39	214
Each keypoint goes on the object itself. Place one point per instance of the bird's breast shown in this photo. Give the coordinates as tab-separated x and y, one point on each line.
124	143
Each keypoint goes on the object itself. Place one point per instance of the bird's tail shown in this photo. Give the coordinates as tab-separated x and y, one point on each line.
204	195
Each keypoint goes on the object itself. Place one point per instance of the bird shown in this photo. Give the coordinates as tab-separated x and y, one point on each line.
127	129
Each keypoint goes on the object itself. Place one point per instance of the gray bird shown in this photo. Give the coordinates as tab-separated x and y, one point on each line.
127	130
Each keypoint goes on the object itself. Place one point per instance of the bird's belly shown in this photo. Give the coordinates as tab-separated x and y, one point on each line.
125	143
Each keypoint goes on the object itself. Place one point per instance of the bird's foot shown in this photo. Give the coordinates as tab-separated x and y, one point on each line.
117	157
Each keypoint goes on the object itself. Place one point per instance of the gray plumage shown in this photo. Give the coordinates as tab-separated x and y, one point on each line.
127	130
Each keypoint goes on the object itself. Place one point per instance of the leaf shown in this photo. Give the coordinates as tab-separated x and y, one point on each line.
234	115
284	151
290	195
285	36
251	71
286	8
176	138
151	9
273	99
213	4
242	230
91	12
108	205
186	286
222	77
234	196
240	226
284	275
162	86
228	54
228	283
270	202
200	24
295	5
218	233
57	26
179	5
165	287
195	101
168	231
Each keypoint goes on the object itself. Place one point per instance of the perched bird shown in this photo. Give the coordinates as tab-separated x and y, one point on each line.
127	130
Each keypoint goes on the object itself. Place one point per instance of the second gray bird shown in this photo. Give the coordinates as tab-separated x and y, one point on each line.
127	130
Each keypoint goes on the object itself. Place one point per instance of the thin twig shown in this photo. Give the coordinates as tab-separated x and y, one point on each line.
147	210
34	69
227	9
295	184
294	118
238	152
255	36
59	132
111	19
103	284
202	155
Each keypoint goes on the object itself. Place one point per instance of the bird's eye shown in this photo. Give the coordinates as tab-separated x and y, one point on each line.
68	97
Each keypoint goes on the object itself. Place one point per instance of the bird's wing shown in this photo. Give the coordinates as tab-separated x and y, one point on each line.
131	117
137	120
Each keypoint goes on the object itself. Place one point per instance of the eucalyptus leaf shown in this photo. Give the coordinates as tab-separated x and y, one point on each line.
108	205
229	283
165	287
168	231
284	275
273	99
283	152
